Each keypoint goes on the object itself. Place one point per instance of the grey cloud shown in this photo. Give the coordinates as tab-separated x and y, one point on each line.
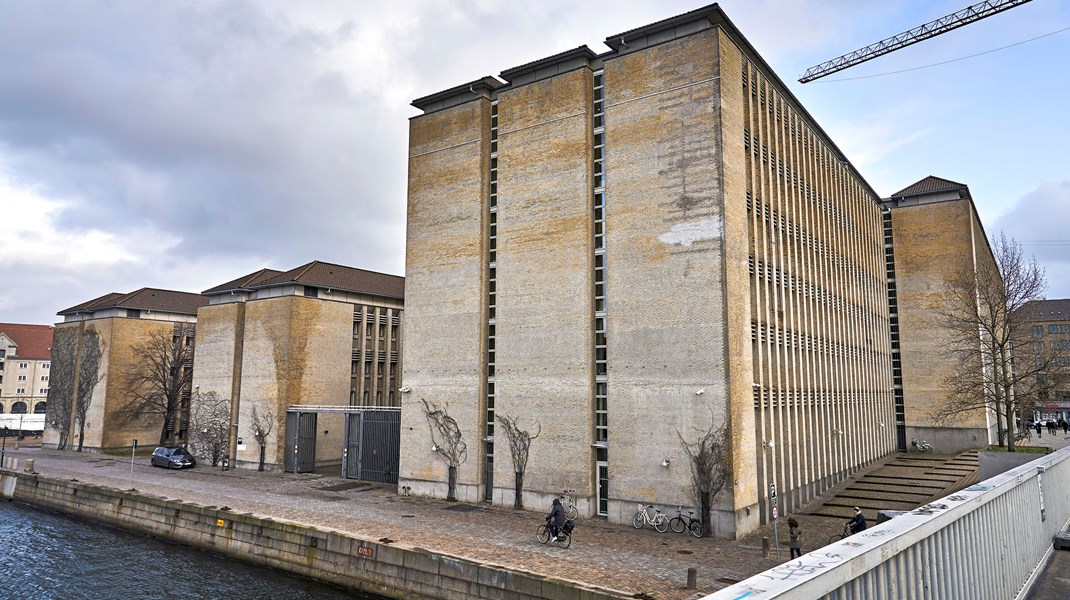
1038	222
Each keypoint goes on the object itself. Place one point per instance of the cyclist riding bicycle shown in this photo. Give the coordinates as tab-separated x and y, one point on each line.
858	522
556	518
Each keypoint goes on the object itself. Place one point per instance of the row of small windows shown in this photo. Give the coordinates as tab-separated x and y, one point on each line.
821	203
789	282
23	365
800	340
799	399
21	408
819	249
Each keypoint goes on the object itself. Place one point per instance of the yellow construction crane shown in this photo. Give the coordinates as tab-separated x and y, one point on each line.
931	29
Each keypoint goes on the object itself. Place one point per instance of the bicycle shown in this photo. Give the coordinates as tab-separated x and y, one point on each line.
680	523
917	445
571	512
564	533
659	521
845	533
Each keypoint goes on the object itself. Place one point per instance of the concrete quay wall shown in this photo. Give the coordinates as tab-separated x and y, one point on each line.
328	555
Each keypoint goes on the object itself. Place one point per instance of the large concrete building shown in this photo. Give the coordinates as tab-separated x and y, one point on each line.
932	231
95	349
320	336
627	249
25	366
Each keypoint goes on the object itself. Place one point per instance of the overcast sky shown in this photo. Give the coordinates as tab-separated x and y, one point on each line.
183	144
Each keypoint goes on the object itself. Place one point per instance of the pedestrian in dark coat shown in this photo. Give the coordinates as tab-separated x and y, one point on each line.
556	519
1039	434
794	533
1066	426
858	522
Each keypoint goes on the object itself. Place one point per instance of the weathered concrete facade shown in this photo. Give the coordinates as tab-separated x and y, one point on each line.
121	325
935	230
659	237
320	335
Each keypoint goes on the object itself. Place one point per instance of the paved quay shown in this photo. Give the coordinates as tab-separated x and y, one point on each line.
642	564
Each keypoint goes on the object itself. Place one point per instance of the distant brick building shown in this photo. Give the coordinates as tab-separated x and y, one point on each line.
320	335
116	324
627	248
1048	323
25	365
932	229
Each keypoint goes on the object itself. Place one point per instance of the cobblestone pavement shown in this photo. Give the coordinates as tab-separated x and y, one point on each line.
607	555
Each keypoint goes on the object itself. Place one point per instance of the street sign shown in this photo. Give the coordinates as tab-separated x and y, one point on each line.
772	493
775	515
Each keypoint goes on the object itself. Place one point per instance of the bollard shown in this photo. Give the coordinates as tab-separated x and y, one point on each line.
765	547
692	578
29	465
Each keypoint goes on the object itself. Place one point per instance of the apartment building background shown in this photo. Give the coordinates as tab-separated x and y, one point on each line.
1048	323
121	322
318	336
626	249
25	364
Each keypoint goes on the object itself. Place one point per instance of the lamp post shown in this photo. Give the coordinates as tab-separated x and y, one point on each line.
3	448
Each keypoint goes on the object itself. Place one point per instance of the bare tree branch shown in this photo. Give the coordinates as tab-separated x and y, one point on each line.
262	426
61	383
519	444
999	365
209	426
708	458
158	378
446	442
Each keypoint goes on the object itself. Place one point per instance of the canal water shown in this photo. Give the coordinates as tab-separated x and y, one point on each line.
45	555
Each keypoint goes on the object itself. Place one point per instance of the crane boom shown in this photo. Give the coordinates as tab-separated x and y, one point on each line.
934	28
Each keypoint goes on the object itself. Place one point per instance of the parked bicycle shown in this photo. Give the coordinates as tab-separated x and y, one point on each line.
569	504
681	523
917	445
564	533
642	517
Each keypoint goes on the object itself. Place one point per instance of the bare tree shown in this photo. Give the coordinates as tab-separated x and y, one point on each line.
446	441
209	426
89	375
519	444
158	377
262	426
708	457
61	383
998	364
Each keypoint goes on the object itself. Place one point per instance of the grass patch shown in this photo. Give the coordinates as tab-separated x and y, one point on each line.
1024	449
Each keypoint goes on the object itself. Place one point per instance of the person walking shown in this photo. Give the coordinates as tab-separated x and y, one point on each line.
1051	427
794	533
1066	426
1039	434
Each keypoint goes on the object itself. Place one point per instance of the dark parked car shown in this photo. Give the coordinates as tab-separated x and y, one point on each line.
173	457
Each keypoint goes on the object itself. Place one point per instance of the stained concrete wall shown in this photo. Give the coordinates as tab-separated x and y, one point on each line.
393	570
931	242
445	282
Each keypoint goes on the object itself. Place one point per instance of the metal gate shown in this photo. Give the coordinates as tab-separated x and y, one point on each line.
372	445
300	442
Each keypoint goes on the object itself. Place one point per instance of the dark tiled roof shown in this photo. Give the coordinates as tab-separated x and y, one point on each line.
339	277
581	52
1045	310
34	341
244	282
930	185
144	299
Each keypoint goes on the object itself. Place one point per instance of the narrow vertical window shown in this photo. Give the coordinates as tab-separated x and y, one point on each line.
601	363
492	289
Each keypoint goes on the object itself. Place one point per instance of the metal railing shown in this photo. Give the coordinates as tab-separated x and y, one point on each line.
988	541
